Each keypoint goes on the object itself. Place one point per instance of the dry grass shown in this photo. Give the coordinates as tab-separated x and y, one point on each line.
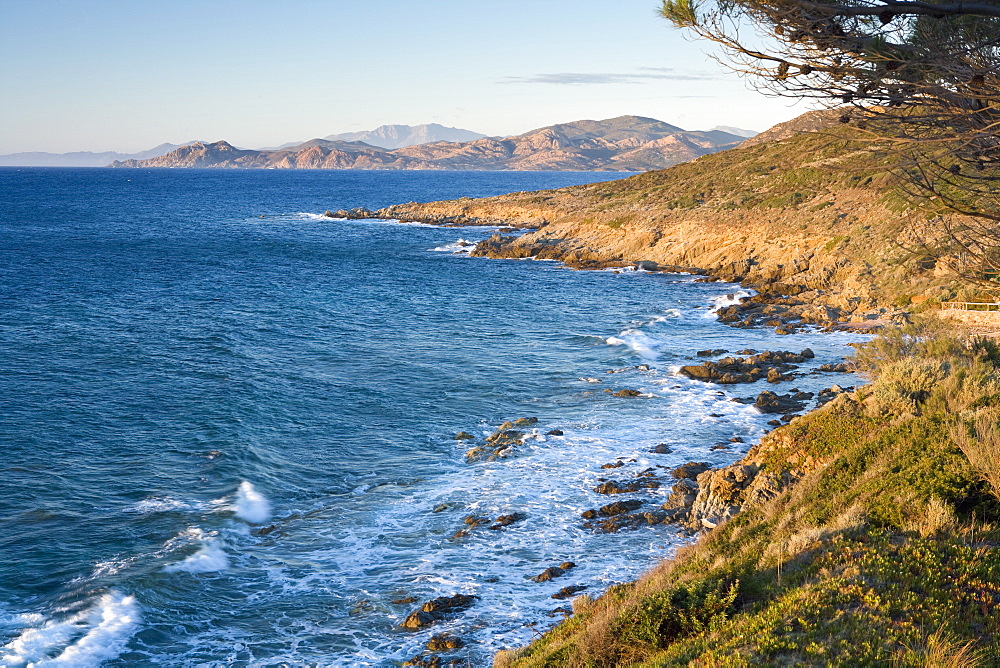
980	442
942	649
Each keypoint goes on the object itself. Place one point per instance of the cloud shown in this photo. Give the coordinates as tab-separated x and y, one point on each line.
643	75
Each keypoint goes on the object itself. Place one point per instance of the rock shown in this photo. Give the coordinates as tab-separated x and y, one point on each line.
617	487
647	265
554	432
682	495
690	470
463	436
588	514
662	449
619	507
736	439
448	604
548	574
567	565
644	367
507	520
769	402
525	422
569	591
404	601
721	494
475	521
627	393
711	353
613	465
808	354
419	619
721	446
835	368
442	642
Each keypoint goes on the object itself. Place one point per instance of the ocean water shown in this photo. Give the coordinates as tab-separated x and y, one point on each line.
226	423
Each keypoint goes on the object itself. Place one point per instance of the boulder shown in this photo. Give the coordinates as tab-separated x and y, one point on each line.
682	495
567	592
507	520
622	487
627	393
619	507
448	604
769	402
549	574
690	470
443	642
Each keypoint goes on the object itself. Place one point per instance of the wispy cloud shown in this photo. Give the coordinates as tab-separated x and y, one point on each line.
643	75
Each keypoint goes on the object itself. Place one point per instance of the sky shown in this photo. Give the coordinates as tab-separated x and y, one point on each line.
127	75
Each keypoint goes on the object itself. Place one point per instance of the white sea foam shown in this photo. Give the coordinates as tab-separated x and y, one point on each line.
209	558
88	638
159	505
251	505
640	342
728	299
457	247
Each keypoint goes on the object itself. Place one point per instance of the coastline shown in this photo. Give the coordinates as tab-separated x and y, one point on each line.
701	496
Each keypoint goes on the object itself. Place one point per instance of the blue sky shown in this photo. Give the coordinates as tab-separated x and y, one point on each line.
129	74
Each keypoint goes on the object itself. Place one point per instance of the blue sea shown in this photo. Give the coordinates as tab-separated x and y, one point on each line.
227	423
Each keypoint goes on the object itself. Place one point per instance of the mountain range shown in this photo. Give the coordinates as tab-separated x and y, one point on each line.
79	158
625	143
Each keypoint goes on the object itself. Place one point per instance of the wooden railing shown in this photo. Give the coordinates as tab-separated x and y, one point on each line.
970	306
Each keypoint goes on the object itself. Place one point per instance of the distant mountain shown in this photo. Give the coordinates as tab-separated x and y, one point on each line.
626	143
739	132
79	158
398	136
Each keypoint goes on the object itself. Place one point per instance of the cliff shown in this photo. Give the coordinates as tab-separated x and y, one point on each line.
627	143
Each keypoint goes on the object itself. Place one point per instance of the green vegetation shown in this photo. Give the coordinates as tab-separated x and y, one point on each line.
883	548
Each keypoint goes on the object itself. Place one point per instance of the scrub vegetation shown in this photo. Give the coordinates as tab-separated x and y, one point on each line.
887	550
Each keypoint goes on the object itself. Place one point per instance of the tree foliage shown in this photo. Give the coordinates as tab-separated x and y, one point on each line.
921	79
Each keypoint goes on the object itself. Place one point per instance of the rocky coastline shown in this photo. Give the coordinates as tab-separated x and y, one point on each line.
701	496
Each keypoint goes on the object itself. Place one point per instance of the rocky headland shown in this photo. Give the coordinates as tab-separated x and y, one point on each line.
626	143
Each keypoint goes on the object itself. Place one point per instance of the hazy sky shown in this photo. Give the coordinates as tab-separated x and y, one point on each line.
127	75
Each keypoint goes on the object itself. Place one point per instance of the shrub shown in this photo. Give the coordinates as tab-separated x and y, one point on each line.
682	611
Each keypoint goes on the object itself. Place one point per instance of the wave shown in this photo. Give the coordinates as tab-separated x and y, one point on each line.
640	342
728	299
88	638
251	505
211	557
458	247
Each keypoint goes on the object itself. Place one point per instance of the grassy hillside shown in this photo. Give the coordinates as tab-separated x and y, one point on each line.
818	211
882	548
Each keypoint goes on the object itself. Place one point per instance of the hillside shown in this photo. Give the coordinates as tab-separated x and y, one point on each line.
626	143
806	212
862	533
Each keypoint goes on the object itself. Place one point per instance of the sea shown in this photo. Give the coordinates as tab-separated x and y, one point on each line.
227	422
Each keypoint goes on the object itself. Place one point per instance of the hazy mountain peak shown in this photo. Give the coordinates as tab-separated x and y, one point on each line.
398	136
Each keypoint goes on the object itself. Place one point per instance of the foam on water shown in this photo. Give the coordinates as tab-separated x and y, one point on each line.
209	558
251	505
88	638
639	341
728	299
458	247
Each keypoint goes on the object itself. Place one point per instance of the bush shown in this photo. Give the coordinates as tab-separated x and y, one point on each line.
685	610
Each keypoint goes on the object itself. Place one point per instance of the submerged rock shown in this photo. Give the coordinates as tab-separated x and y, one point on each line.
569	591
619	507
443	642
622	487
